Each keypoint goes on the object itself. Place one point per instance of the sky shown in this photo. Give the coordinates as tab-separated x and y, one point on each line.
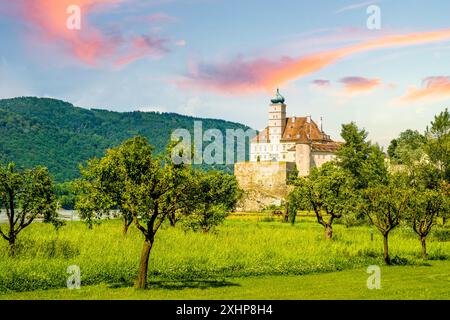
382	64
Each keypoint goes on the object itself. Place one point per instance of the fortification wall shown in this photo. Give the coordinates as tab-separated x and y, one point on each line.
264	183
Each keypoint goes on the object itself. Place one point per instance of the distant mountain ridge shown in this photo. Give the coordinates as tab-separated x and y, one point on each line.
56	134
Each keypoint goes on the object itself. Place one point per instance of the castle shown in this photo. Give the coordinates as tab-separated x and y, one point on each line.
286	144
292	139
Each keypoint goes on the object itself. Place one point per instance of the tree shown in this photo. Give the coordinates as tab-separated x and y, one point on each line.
295	202
26	195
66	195
180	201
216	194
438	144
391	151
384	205
407	148
364	161
101	191
140	185
327	191
425	206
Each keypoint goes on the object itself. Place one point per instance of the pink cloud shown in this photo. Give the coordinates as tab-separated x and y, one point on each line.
355	85
143	46
90	45
160	17
180	43
242	75
432	89
322	83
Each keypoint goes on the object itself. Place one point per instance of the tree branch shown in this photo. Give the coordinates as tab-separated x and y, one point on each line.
3	235
139	226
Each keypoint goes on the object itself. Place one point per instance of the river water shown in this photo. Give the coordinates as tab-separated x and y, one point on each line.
67	215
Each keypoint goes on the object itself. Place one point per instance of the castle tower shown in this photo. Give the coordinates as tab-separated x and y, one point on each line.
277	118
303	158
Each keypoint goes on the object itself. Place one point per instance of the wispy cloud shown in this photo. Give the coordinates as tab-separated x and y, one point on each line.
143	46
433	89
90	45
243	75
356	85
355	6
321	83
153	18
180	43
160	17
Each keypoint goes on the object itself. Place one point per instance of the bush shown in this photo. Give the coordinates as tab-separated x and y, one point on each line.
441	235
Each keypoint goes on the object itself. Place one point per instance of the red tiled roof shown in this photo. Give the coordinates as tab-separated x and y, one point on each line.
298	131
330	146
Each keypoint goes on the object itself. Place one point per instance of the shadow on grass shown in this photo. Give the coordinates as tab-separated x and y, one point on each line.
180	284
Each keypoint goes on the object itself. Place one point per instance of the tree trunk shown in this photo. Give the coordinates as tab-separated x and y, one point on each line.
423	241
141	282
12	244
125	227
387	259
172	220
444	220
328	232
286	213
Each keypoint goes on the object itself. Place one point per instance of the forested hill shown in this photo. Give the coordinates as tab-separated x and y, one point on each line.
55	134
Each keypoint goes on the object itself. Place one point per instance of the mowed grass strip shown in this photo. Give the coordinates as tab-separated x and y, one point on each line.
239	248
397	283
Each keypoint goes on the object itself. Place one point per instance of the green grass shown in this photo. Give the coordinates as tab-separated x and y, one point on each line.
399	282
240	248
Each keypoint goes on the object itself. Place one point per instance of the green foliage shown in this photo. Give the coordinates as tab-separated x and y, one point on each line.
215	194
55	134
385	205
407	148
328	191
25	196
364	161
425	206
133	180
66	194
438	144
147	189
293	175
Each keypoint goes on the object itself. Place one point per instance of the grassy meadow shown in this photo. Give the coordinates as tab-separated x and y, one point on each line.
248	250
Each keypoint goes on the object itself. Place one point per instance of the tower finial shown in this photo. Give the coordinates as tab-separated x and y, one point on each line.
278	98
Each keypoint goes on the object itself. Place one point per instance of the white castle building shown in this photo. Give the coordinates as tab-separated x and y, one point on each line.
292	139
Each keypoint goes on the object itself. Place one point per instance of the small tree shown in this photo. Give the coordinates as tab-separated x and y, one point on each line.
384	206
425	206
438	143
180	201
327	191
26	195
216	194
140	185
363	160
100	191
408	148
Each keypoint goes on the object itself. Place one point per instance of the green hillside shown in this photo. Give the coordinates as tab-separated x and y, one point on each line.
60	136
